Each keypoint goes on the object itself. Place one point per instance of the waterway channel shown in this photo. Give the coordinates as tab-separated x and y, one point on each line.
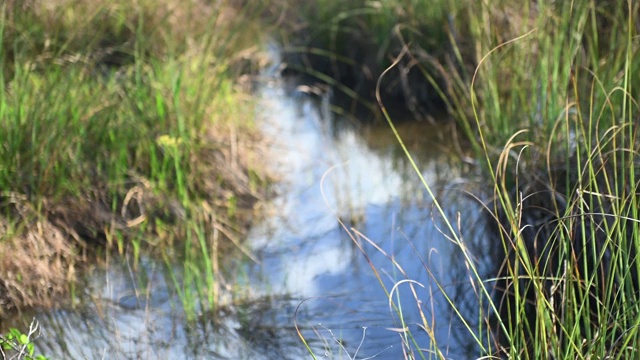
347	202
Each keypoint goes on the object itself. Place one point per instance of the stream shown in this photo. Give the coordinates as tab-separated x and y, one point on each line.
348	201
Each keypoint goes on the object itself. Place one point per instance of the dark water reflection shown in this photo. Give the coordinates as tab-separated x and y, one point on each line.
312	269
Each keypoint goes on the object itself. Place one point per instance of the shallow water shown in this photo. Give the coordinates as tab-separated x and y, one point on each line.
341	187
348	201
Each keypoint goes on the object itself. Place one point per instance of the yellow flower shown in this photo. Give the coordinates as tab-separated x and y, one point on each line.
167	141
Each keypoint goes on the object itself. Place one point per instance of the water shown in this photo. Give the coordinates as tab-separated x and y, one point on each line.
348	201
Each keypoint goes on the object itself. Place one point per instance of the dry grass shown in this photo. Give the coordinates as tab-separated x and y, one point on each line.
38	261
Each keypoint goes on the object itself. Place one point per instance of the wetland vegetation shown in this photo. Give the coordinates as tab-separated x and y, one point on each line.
126	128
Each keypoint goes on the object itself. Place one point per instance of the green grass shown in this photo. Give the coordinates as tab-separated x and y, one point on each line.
568	82
554	121
348	44
123	124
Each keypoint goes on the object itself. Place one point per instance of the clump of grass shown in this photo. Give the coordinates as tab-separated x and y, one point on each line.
348	44
122	124
569	281
554	119
538	61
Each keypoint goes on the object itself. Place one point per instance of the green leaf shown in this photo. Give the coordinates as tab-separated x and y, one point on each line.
24	339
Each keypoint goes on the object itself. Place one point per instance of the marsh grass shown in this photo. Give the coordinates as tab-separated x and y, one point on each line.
554	120
565	195
122	124
348	44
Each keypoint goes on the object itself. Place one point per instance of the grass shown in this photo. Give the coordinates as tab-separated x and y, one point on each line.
569	232
122	124
550	110
348	44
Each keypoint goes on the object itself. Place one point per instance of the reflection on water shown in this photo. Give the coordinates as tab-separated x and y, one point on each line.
335	175
312	269
127	317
